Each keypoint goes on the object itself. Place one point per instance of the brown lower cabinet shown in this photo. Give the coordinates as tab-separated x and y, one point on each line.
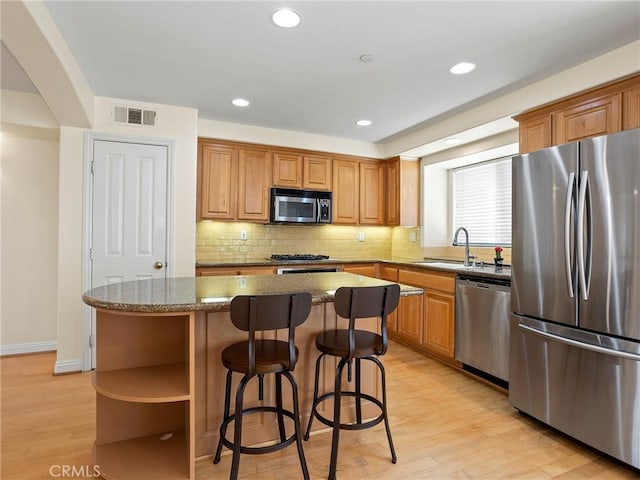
428	321
212	271
366	269
410	322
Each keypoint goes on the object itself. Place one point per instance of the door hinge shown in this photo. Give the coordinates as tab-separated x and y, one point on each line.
90	341
93	163
91	253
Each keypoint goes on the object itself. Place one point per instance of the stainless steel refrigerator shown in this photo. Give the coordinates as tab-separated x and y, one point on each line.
575	291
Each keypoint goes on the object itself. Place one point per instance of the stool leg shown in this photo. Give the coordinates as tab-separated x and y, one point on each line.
336	419
394	458
296	423
279	407
315	396
237	435
223	427
358	392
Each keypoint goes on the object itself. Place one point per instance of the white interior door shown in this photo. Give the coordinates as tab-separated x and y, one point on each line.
129	213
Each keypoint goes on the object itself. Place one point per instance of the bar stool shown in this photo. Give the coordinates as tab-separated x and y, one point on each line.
259	357
358	345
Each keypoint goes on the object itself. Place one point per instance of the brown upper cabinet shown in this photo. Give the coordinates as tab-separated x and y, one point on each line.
217	182
631	108
287	170
590	118
295	170
608	108
358	189
402	182
535	134
233	182
254	180
346	191
316	173
371	193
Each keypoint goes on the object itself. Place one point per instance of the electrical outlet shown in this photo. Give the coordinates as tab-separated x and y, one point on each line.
413	236
361	236
243	234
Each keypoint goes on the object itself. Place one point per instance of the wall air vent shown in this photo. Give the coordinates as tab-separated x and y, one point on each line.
134	116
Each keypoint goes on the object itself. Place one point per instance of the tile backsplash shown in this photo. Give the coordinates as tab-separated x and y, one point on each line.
221	242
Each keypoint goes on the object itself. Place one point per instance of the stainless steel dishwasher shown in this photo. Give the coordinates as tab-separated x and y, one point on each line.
482	325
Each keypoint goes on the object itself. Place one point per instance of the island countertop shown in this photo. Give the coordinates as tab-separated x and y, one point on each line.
214	294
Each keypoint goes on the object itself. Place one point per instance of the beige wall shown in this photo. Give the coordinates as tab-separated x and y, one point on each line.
174	123
179	124
69	281
286	138
29	167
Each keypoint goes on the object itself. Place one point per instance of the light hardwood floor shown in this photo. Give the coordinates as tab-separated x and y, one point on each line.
445	425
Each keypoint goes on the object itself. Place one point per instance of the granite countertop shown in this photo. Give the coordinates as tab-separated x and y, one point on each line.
486	271
210	294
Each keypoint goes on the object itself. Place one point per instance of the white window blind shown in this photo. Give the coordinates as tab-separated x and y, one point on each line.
482	202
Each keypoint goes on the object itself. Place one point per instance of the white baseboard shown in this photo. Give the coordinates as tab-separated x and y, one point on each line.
31	347
67	366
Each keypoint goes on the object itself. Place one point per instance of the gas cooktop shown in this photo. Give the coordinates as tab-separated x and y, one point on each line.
298	257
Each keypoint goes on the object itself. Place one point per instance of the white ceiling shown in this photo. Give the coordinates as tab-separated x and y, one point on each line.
203	54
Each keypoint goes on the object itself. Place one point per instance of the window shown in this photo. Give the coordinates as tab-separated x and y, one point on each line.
481	202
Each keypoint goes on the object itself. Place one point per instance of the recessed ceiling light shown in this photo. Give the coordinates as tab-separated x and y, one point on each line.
240	102
286	18
366	58
462	68
363	123
452	141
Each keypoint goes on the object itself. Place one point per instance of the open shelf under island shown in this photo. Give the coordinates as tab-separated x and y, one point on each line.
159	380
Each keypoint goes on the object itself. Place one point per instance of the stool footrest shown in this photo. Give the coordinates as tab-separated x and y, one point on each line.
349	426
258	450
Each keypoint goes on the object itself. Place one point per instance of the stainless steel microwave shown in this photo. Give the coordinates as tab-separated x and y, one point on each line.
300	206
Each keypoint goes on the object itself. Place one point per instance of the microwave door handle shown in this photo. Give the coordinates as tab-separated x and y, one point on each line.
318	210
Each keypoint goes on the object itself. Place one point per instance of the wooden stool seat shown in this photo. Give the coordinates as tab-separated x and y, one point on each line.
271	356
336	343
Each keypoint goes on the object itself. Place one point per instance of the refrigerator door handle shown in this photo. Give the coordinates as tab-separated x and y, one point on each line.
584	346
567	233
582	201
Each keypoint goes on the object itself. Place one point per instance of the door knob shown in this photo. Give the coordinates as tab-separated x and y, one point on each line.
158	265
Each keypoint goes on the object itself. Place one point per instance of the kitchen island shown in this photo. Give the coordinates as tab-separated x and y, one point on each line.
159	380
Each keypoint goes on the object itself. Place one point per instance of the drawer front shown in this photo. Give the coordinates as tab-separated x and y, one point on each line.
431	281
389	273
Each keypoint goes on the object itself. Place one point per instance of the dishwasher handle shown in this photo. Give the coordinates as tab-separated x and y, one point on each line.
485	284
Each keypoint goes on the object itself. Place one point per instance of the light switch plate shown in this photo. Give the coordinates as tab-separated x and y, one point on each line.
361	236
413	236
243	234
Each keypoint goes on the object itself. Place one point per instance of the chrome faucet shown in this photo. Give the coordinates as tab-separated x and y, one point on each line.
467	263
